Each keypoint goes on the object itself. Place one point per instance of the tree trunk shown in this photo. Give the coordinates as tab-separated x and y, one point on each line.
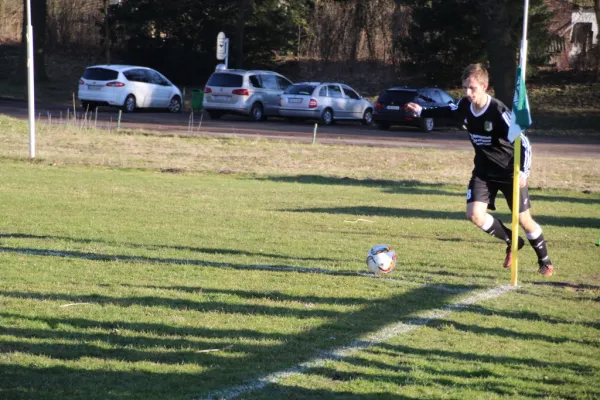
21	72
597	12
106	33
38	22
496	17
357	26
244	8
2	15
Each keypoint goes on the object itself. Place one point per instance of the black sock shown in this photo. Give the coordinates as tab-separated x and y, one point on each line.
498	230
539	246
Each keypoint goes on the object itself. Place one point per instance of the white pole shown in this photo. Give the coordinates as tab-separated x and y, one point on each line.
30	83
523	55
227	53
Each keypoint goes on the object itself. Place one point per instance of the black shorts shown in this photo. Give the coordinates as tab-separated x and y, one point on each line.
486	191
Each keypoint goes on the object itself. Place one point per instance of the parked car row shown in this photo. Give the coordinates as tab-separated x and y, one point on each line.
258	95
261	94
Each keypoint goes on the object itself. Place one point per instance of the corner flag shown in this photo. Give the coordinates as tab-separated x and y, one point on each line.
520	118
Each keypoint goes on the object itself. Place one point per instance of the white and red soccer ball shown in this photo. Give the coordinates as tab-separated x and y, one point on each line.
381	259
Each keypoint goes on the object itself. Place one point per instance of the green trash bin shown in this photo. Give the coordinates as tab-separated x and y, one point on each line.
197	97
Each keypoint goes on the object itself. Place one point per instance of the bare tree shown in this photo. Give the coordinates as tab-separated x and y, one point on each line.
10	20
244	8
356	30
597	12
106	32
496	18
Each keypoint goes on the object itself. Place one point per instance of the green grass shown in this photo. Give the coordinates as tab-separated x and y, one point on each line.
121	281
115	283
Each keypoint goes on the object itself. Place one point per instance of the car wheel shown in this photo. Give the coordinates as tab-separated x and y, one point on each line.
257	112
384	126
214	114
327	116
129	105
367	117
175	105
426	124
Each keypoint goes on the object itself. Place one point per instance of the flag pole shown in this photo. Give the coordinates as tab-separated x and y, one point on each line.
30	83
517	160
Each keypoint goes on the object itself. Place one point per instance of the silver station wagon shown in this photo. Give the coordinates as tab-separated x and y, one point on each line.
325	101
254	94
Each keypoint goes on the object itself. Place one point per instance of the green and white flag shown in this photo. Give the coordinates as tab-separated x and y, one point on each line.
520	118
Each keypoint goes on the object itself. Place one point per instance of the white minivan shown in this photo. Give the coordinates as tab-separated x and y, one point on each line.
128	87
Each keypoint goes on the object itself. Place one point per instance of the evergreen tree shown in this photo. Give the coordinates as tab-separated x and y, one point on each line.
447	35
179	37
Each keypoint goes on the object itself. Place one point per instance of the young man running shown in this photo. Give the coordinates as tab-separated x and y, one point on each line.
487	121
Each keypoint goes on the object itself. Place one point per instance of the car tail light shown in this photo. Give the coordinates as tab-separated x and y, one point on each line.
81	82
313	103
115	84
241	92
207	90
378	106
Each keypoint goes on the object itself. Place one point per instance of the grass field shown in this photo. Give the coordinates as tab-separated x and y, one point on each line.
160	267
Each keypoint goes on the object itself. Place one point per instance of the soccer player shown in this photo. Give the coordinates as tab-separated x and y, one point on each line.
487	120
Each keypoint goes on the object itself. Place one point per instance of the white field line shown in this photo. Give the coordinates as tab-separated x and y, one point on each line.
374	338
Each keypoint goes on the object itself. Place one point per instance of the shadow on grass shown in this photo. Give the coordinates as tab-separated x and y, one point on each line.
414	187
278	391
509	333
392	186
577	222
529	316
249	295
205	250
175	304
514	362
181	261
578	287
162	330
537	196
67	339
473	379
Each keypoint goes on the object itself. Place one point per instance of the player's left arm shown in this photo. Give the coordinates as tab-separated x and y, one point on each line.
526	153
525	160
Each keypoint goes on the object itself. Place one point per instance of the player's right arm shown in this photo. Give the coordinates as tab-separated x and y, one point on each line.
451	111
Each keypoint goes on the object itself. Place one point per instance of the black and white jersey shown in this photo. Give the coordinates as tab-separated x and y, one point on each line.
488	131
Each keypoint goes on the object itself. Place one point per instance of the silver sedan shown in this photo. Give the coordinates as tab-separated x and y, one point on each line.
325	101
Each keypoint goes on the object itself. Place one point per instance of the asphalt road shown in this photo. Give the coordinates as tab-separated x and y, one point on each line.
340	133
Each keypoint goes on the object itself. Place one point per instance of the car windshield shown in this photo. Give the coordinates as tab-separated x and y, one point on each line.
100	74
305	90
398	96
226	80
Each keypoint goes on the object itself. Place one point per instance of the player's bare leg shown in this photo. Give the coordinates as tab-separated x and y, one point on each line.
534	234
478	215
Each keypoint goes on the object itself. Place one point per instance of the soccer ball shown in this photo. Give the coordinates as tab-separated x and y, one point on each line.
381	259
